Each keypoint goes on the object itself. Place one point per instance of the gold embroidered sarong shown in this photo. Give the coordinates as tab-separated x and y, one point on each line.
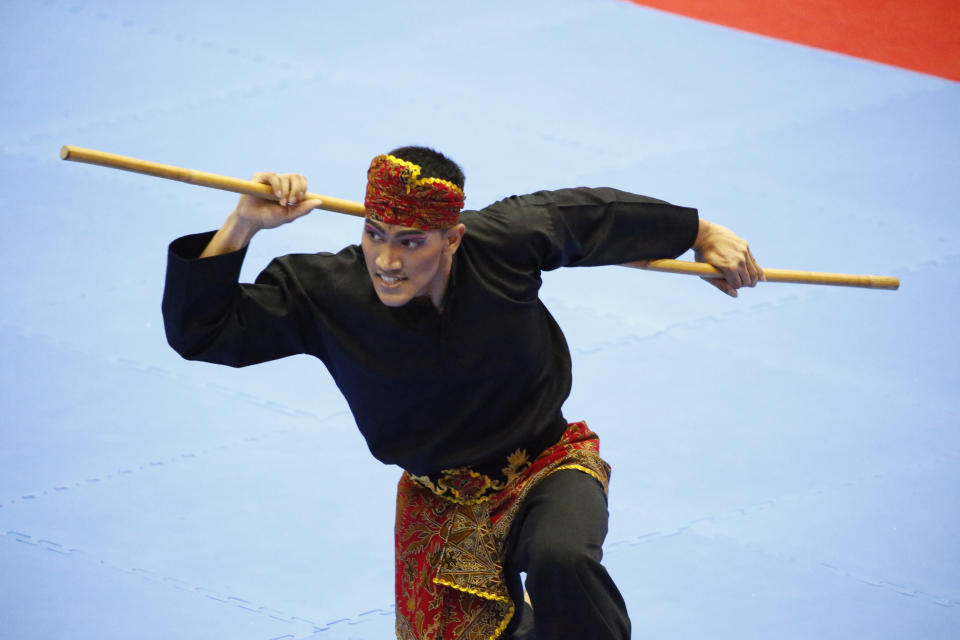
450	538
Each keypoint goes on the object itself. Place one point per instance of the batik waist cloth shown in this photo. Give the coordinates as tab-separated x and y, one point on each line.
451	533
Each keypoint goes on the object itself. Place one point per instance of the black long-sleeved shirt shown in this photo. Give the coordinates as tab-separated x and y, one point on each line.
429	389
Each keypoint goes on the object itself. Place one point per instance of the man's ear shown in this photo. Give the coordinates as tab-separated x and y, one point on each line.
453	236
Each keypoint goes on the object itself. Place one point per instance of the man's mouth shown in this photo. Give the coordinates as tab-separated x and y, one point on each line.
390	281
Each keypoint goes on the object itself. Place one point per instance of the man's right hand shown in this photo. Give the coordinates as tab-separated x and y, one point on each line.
289	188
253	214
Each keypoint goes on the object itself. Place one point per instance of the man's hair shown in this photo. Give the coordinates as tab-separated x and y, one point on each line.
433	164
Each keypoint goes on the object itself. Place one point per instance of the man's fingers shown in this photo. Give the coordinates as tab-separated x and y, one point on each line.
756	266
273	180
731	255
727	288
734	277
296	189
750	272
286	182
723	285
289	189
308	205
300	188
302	208
747	273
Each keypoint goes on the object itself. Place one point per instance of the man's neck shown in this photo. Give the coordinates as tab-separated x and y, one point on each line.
438	290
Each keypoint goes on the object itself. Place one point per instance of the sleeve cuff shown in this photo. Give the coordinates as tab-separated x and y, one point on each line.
184	266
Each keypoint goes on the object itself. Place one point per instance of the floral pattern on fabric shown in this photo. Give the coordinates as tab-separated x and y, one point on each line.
396	194
450	538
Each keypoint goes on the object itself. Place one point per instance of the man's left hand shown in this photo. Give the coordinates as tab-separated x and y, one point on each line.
729	253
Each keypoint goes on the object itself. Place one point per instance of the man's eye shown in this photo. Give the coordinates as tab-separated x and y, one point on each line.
412	244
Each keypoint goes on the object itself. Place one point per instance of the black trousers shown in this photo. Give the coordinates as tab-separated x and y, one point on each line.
556	539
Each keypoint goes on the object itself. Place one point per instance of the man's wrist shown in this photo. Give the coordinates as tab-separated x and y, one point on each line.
235	234
240	229
703	232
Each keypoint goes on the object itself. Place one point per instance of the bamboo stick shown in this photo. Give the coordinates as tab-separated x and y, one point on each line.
772	275
199	178
225	183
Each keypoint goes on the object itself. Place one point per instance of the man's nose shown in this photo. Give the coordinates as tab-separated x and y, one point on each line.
389	260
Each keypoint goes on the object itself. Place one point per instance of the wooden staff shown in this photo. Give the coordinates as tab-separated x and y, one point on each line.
199	178
212	180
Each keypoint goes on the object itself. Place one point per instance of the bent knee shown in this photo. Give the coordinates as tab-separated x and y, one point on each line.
558	558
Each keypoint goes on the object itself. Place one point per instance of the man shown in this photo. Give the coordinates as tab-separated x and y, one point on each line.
455	371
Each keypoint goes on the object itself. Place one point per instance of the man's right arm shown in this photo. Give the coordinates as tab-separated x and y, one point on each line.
207	314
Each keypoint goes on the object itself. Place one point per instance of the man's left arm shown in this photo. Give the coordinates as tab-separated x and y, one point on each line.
603	226
728	252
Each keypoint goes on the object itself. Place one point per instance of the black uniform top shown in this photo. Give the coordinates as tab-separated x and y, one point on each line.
429	390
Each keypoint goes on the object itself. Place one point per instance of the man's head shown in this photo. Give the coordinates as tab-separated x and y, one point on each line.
433	164
414	187
412	230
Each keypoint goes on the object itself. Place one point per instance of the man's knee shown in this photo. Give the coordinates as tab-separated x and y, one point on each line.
563	527
557	557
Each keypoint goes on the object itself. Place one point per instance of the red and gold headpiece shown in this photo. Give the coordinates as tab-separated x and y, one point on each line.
396	194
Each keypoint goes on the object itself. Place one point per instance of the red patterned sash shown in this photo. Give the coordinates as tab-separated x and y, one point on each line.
450	535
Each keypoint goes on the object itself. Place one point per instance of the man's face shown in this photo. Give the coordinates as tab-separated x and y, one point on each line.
405	263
